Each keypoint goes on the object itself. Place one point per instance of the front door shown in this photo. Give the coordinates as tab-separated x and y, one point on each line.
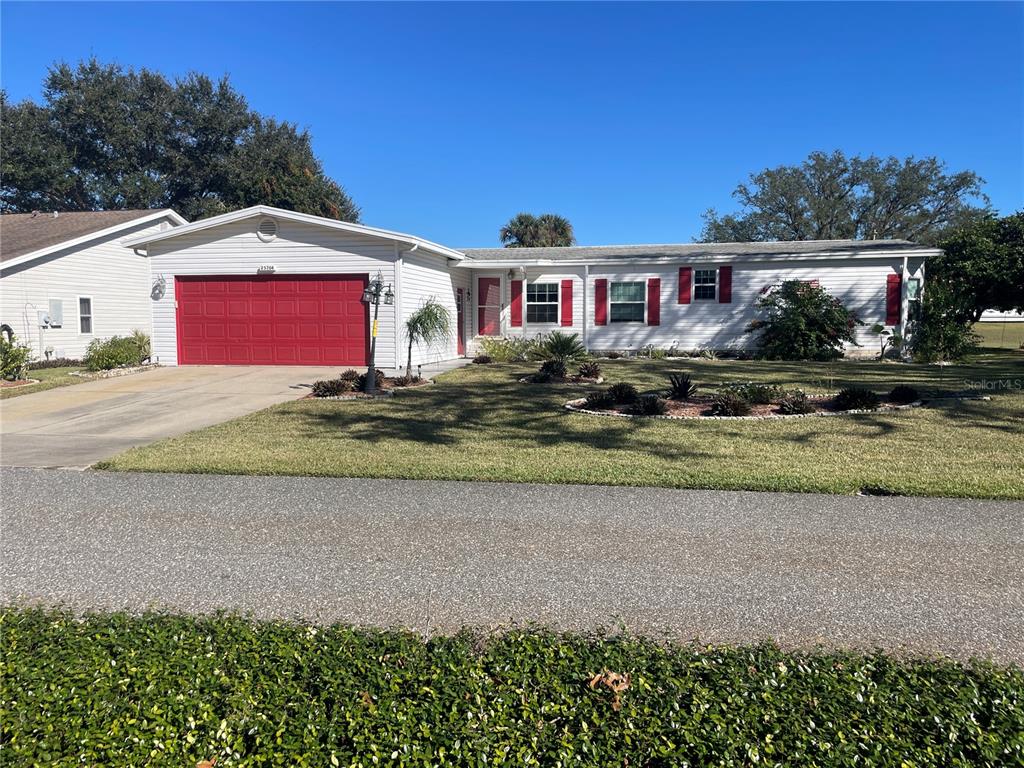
488	303
460	321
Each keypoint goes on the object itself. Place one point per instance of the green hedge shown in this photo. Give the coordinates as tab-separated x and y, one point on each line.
165	690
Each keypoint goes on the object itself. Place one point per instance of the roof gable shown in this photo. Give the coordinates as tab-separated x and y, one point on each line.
24	236
304	218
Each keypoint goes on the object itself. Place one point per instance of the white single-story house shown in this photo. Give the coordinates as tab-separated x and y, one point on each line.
269	286
65	279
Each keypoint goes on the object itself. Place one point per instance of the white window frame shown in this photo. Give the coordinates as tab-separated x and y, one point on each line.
696	271
91	316
642	320
557	302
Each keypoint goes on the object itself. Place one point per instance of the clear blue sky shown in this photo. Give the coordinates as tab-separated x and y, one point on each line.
446	119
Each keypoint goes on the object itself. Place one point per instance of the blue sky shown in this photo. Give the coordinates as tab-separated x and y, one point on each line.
631	119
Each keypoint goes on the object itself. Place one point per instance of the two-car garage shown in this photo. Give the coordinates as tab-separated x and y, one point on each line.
273	320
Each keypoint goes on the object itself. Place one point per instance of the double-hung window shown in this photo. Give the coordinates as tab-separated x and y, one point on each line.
627	302
542	303
705	284
85	314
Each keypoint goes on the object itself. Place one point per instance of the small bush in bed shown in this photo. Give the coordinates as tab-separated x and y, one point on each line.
752	392
349	375
553	369
378	379
482	360
590	370
904	394
729	404
856	399
796	402
648	405
599	401
115	352
331	387
623	393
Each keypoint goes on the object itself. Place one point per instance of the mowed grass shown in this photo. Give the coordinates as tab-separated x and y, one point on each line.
1001	335
480	423
49	378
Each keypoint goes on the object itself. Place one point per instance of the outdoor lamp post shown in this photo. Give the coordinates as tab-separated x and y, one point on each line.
373	294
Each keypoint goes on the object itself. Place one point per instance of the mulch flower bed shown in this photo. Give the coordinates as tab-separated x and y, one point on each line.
573	379
699	407
348	389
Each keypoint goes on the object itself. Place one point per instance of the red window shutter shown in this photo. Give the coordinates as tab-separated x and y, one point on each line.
685	280
601	302
567	302
893	299
517	304
654	301
725	285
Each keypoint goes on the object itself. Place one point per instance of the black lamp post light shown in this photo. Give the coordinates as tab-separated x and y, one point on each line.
374	293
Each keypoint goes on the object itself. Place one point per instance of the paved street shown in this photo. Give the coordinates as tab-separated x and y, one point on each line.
927	575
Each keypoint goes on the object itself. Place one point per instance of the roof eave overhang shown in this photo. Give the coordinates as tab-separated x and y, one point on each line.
266	210
471	263
97	235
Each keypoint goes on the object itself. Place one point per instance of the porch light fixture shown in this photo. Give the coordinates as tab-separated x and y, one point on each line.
372	294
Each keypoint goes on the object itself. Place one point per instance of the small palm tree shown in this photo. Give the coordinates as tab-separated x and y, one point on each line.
565	348
549	230
430	323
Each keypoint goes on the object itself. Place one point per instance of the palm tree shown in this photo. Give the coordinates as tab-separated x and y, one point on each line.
549	230
431	322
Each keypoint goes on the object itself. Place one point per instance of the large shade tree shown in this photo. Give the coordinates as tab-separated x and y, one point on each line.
549	230
831	196
108	138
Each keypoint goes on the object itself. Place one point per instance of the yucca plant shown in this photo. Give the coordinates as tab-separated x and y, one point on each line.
430	323
681	386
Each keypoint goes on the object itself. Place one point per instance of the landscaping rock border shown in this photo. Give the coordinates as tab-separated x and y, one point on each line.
114	372
574	406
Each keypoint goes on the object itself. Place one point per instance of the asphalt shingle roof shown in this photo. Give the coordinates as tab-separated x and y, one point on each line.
22	233
688	250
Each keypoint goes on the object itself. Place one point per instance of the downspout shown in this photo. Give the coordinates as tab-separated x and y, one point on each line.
399	306
586	312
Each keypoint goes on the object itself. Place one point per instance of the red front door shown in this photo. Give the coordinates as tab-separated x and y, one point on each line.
460	321
488	304
293	320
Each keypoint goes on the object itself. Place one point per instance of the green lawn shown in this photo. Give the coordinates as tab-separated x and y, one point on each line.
1002	335
49	378
160	690
479	423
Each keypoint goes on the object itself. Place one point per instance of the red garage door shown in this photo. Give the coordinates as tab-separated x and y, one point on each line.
295	320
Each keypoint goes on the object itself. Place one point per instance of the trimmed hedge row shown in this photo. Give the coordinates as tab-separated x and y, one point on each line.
167	690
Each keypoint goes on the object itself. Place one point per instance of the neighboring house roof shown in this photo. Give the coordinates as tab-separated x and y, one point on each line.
25	236
587	254
304	218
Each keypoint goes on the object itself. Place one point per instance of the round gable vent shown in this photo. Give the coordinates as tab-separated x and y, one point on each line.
267	230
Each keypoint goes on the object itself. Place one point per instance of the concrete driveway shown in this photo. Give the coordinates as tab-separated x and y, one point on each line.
79	425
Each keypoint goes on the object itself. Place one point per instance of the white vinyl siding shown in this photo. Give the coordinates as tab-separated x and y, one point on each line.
116	279
426	276
859	284
298	248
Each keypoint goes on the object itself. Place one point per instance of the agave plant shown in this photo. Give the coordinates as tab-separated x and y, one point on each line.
563	347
